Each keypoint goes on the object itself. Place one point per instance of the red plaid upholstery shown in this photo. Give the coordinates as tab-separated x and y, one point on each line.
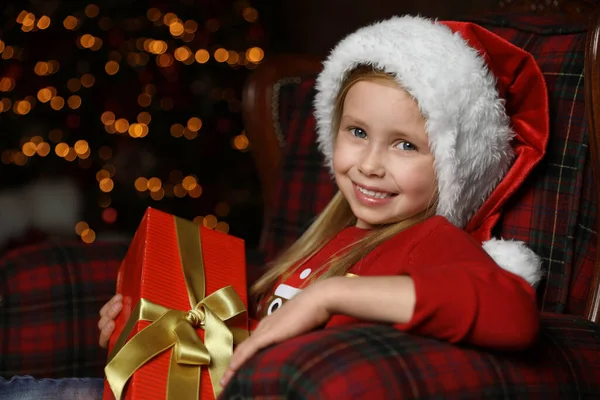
50	298
380	362
554	212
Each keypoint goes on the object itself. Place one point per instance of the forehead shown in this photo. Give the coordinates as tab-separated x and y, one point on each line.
382	97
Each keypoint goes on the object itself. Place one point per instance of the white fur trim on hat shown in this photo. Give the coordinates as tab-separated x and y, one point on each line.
468	129
516	257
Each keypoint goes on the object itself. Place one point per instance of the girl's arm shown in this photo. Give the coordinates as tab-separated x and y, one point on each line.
460	294
389	299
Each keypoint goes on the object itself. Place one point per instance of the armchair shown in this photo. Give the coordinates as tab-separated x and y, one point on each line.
555	213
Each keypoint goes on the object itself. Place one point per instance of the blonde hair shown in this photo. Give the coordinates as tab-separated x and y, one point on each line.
336	216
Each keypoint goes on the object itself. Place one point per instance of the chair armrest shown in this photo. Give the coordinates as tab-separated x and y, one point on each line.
51	294
378	361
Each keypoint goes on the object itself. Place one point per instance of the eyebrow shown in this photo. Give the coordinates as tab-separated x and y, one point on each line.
404	135
353	120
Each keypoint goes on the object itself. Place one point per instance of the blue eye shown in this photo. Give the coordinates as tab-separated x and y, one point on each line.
359	133
406	146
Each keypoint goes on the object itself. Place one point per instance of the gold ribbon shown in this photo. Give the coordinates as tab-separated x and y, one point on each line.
176	328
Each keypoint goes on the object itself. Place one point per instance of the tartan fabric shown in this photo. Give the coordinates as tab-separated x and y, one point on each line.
554	212
380	362
50	298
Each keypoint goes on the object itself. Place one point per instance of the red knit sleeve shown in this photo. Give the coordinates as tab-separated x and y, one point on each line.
463	295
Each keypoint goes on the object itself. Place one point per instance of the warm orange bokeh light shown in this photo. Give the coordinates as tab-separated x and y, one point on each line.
176	28
87	41
70	22
92	11
74	84
61	149
154	184
189	135
80	227
195	192
194	124
169	19
241	142
164	60
43	22
107	185
121	125
102	174
43	149
74	102
190	26
202	56
144	118
210	221
141	184
22	107
111	67
57	103
221	55
88	80
182	53
107	117
189	182
88	236
29	149
81	147
255	54
153	14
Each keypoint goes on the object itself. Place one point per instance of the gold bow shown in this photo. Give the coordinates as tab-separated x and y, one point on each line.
176	328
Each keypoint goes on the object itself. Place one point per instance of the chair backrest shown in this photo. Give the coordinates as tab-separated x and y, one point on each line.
555	212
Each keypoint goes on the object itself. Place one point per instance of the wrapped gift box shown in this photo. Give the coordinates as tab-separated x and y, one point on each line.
173	264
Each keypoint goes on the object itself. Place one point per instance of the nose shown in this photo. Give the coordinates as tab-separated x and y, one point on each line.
371	162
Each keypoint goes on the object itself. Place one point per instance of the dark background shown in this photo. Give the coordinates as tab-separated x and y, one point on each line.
217	157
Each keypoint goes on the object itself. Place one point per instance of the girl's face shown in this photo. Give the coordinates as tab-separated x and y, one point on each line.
381	159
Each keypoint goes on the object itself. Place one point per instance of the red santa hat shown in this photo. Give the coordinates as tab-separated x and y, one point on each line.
486	110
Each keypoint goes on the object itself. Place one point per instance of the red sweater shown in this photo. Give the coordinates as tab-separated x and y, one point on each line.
461	293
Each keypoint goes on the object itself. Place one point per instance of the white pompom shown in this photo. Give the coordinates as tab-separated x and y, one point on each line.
514	256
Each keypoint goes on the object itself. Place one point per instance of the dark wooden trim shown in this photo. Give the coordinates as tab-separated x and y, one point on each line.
592	104
259	121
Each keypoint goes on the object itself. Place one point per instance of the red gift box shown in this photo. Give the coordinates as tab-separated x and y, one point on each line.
174	266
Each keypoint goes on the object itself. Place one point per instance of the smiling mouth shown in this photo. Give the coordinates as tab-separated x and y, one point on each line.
374	194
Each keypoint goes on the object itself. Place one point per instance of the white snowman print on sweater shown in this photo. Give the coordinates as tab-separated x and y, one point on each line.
287	291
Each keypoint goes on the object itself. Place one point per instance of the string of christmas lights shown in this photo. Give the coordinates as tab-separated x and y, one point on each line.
137	99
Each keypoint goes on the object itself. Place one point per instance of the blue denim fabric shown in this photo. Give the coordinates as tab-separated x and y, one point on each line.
27	387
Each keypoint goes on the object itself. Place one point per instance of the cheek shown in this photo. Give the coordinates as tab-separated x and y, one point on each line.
342	156
418	178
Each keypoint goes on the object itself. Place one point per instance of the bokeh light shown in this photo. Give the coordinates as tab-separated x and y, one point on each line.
202	56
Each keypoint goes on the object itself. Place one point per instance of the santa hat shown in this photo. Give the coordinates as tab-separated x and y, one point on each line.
485	105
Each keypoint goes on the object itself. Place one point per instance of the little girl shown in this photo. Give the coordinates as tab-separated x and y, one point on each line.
427	128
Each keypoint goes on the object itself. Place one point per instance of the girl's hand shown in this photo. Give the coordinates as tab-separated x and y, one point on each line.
305	312
108	314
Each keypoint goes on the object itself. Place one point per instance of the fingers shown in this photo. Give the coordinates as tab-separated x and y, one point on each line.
108	314
105	333
241	354
106	309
